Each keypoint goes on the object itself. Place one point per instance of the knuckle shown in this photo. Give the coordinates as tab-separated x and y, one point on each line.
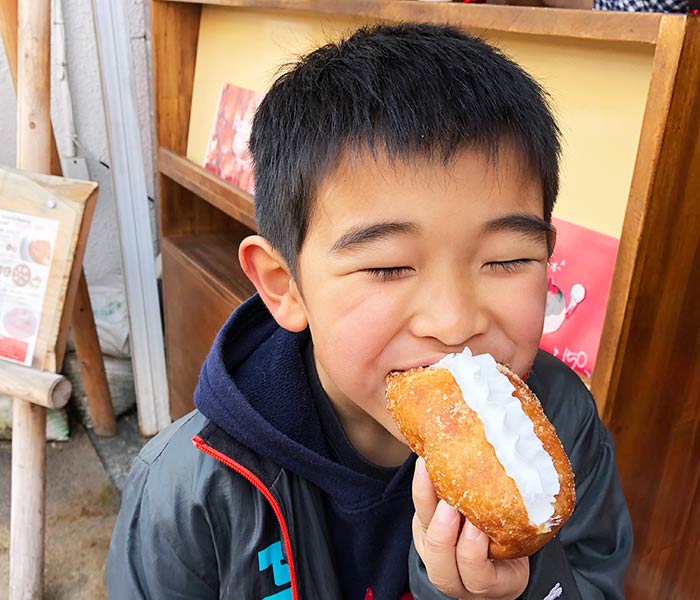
432	545
465	557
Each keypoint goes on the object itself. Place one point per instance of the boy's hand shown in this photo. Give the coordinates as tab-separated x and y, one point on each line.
456	555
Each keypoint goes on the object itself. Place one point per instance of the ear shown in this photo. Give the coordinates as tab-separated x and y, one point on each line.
270	275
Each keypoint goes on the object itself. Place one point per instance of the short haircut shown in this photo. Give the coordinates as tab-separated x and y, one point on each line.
408	90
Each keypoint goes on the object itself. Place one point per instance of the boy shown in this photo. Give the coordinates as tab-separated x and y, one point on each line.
405	179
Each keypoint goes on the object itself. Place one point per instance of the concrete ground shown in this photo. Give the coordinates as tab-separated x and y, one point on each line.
84	479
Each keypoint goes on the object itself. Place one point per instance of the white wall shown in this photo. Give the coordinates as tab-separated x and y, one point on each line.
8	117
102	260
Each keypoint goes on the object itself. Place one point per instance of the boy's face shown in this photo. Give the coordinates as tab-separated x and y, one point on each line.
405	263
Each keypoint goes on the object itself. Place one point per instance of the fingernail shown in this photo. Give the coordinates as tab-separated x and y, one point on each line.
444	513
470	532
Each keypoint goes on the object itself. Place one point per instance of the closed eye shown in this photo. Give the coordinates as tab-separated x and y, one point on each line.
388	273
509	266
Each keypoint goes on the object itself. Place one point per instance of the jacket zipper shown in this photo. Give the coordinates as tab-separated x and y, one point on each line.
201	445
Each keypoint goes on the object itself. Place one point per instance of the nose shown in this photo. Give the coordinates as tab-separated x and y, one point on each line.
450	311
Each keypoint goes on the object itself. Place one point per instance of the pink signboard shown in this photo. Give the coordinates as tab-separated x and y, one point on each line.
580	274
227	152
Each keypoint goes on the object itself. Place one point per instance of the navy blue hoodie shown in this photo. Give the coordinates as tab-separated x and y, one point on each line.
257	387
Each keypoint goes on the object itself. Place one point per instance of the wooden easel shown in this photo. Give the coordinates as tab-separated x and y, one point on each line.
26	34
78	315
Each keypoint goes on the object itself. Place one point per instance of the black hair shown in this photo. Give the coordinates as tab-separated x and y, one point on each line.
410	89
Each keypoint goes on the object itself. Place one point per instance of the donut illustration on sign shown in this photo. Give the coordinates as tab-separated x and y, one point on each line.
37	251
40	252
21	275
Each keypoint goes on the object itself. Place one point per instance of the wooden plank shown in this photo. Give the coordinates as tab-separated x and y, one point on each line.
654	123
129	178
204	283
653	408
75	293
175	31
218	192
580	24
92	365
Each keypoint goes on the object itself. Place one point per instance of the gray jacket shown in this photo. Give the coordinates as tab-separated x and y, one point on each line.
219	521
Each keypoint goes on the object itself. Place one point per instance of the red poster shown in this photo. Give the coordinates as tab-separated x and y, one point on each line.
227	152
580	274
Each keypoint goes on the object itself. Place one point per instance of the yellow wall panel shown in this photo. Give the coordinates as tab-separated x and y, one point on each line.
598	91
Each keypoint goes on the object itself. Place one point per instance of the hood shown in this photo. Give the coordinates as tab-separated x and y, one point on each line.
254	386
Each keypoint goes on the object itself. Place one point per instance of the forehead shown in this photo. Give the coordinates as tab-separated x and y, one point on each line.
373	187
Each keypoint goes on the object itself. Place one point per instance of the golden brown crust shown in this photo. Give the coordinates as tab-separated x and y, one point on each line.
437	423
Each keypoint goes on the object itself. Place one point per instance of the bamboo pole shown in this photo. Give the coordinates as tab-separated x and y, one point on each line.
38	387
28	498
27	501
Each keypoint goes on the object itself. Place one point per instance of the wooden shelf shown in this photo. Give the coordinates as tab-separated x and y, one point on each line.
213	258
233	201
203	283
580	24
652	320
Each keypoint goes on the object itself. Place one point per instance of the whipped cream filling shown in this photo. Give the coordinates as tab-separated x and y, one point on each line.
508	429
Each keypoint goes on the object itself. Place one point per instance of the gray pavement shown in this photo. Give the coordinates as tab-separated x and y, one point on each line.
84	479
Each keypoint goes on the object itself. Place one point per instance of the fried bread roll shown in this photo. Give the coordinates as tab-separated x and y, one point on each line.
488	447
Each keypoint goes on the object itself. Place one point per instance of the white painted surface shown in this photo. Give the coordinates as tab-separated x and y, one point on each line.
8	114
102	260
128	177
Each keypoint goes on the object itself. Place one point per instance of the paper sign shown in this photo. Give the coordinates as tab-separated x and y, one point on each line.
227	152
26	248
580	274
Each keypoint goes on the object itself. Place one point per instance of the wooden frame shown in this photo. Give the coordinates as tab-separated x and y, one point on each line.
72	204
651	339
26	31
80	318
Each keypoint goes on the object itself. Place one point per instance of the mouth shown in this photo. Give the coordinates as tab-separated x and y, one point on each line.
419	364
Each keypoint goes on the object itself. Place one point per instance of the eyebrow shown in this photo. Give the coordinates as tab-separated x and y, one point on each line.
527	225
361	235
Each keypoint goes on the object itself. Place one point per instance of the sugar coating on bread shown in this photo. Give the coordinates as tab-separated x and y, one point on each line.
489	393
431	410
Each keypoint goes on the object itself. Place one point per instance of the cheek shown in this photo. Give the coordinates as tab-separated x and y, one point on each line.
359	326
525	311
519	310
522	318
351	338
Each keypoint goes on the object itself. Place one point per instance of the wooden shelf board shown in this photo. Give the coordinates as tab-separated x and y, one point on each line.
581	24
218	192
214	257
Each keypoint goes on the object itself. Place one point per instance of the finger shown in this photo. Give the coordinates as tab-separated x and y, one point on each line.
425	499
439	552
481	575
477	571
